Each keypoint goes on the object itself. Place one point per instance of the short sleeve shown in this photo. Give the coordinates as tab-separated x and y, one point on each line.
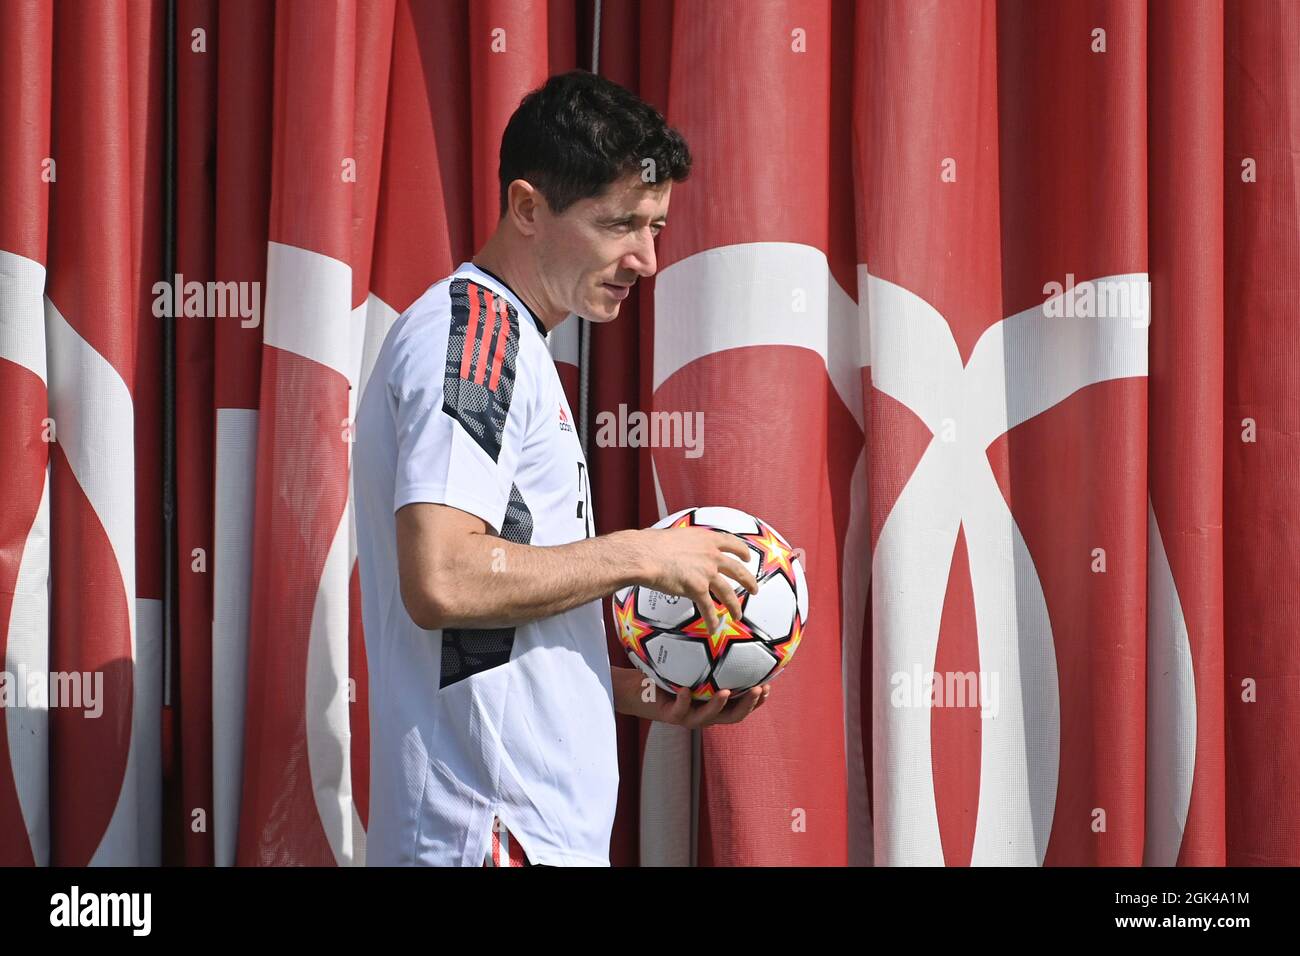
461	415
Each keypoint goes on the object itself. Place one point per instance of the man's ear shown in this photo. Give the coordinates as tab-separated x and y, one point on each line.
522	205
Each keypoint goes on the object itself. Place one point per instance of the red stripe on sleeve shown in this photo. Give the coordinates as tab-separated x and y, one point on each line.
485	343
471	331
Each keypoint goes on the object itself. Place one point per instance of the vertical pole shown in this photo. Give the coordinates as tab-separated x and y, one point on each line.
169	603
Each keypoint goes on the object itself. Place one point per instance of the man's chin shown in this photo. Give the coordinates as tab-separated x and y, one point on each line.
597	315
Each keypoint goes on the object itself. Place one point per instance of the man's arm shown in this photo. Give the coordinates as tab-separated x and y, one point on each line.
453	573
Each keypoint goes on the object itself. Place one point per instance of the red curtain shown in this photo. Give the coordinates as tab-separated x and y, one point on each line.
989	306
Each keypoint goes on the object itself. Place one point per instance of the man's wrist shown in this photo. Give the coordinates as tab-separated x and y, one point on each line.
629	558
628	683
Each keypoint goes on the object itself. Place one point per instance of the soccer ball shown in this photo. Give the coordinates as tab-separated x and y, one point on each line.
667	638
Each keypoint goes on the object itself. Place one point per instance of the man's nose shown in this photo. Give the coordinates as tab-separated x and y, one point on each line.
642	258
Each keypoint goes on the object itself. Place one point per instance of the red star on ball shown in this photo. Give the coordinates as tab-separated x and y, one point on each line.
631	629
776	554
729	630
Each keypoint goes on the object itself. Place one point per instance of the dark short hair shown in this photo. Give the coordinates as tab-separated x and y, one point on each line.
578	133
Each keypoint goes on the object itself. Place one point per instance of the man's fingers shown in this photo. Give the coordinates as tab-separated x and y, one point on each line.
723	708
726	597
682	704
731	544
708	713
742	575
707	611
743	706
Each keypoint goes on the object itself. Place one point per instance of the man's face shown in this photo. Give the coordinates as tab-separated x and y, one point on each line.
593	252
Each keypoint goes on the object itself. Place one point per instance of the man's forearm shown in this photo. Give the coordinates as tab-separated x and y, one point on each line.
491	582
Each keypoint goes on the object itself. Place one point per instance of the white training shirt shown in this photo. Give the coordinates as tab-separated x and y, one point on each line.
465	408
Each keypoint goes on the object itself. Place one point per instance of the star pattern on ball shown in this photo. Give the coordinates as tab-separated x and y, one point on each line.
729	631
703	692
775	554
631	629
785	650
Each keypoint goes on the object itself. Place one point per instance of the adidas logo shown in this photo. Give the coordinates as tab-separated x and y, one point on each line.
564	421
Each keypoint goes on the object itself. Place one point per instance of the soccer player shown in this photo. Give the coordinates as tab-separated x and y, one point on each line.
492	697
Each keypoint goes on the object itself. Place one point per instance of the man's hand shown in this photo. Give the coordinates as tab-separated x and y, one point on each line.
696	563
631	688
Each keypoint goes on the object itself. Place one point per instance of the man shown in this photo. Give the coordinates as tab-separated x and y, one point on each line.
492	697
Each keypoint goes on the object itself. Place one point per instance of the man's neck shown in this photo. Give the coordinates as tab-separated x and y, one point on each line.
517	273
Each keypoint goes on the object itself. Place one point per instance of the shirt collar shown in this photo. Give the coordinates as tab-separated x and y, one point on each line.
502	282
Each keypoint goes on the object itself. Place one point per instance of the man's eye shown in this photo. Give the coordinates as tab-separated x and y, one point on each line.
629	226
